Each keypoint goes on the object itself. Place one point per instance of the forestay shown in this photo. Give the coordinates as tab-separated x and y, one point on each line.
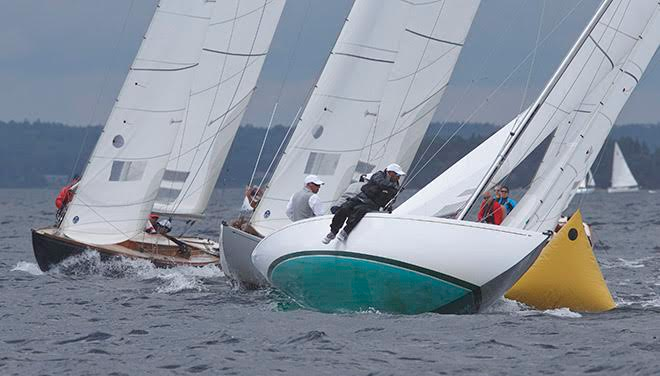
622	177
342	109
121	181
587	63
430	46
556	181
236	46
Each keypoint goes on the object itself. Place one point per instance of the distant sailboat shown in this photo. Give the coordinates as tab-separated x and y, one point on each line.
622	178
588	184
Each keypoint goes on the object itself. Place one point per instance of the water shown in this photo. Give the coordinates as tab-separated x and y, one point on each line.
127	317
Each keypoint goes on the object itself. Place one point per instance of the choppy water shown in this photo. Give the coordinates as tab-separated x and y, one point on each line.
126	317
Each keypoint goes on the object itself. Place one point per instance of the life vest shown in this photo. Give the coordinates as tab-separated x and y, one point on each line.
64	197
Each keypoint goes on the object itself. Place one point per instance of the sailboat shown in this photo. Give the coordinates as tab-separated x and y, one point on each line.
385	103
413	262
168	134
588	184
622	178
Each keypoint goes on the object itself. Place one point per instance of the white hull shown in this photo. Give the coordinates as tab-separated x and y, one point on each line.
622	189
585	190
236	257
399	264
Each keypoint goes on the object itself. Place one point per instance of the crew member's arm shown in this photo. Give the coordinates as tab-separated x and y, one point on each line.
289	208
316	205
383	180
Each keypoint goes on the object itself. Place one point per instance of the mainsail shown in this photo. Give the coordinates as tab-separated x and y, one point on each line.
236	46
622	177
433	40
342	109
587	64
121	181
558	176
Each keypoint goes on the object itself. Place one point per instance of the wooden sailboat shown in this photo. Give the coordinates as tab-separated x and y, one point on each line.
168	135
385	110
622	178
456	266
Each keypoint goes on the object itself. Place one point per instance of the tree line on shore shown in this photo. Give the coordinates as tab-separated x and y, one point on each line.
35	154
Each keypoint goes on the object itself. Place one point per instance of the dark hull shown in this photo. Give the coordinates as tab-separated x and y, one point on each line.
50	250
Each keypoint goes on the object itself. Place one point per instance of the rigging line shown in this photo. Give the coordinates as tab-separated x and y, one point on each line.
590	87
263	144
102	89
495	91
208	150
272	162
523	99
467	90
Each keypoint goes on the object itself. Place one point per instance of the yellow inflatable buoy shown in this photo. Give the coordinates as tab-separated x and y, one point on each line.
566	275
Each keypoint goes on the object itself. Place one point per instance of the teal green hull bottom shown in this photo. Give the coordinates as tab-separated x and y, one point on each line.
354	282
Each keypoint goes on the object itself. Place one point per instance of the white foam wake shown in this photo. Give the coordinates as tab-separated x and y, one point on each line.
27	267
172	280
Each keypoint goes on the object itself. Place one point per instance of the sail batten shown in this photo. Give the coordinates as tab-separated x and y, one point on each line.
120	183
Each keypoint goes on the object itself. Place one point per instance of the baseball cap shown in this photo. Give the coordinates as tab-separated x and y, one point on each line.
395	168
313	179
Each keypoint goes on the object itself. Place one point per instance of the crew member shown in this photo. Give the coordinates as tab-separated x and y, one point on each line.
306	203
378	193
350	192
490	210
156	226
507	202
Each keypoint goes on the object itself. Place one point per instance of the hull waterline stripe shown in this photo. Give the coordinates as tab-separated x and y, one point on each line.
403	265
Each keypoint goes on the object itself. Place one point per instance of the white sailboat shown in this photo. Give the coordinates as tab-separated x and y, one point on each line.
588	184
119	186
622	178
408	263
384	114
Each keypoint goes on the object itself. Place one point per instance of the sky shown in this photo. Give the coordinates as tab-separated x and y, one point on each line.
65	60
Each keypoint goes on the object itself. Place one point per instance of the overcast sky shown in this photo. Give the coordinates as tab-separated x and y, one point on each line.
57	58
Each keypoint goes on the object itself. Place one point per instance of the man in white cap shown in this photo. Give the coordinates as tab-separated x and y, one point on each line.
306	203
379	192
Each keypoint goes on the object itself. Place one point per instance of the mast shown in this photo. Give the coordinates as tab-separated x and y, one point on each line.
532	111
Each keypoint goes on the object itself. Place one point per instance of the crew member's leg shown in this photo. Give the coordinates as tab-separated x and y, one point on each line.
359	211
341	215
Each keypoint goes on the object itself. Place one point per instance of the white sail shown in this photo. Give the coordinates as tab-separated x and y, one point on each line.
120	183
342	109
622	177
237	42
591	183
551	193
587	63
430	46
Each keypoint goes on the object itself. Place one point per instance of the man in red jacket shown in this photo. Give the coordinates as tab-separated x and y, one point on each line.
66	194
490	211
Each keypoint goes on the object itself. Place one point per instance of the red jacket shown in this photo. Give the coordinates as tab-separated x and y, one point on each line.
65	196
494	214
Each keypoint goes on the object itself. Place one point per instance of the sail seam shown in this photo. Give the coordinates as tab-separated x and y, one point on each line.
147	110
350	99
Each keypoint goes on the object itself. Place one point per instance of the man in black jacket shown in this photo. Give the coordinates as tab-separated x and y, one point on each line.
378	193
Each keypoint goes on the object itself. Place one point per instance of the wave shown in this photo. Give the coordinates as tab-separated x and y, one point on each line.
509	306
27	267
171	280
